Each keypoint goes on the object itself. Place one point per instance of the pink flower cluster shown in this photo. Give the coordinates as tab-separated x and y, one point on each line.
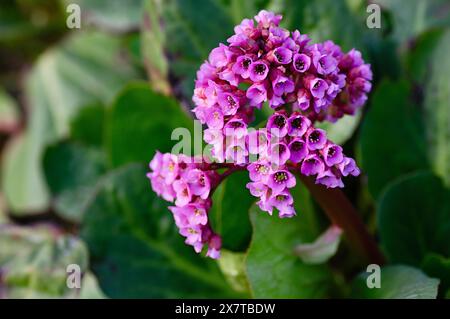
266	63
298	145
176	178
303	83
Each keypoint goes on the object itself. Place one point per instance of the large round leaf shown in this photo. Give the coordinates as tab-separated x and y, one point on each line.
87	127
190	31
417	17
231	203
397	282
33	263
115	15
9	115
72	171
273	269
414	219
141	122
418	60
439	267
323	20
136	249
437	109
3	216
23	181
152	47
428	64
85	68
240	10
392	137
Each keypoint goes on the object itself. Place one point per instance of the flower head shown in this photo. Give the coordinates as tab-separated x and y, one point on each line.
277	125
303	82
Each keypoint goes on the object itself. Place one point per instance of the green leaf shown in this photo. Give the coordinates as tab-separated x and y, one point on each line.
274	271
240	10
189	36
343	129
3	216
428	65
414	219
13	25
418	16
26	28
85	68
115	16
392	132
382	55
152	47
231	203
232	266
397	282
90	288
439	267
136	249
322	249
418	60
437	110
33	261
87	126
72	172
22	178
343	22
141	122
9	115
323	20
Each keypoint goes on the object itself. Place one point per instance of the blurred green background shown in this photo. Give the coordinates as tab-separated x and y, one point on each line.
82	111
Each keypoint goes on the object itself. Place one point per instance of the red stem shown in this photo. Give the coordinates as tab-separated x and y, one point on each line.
342	213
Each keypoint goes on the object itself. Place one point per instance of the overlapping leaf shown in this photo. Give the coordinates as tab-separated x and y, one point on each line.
72	172
33	263
87	67
414	219
231	203
273	269
141	122
397	282
392	137
135	247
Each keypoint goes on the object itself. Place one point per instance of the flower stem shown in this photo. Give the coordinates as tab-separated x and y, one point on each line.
342	213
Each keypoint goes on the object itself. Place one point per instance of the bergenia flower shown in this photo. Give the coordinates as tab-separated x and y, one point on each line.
198	182
303	82
259	171
280	180
316	139
278	125
298	125
257	94
297	150
302	62
312	165
258	71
